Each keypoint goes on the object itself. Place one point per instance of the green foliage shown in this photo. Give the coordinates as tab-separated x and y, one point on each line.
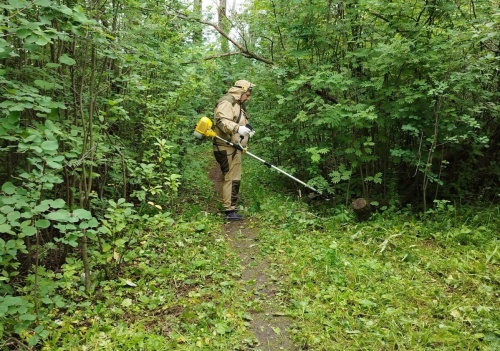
396	280
178	290
117	233
88	106
404	75
373	99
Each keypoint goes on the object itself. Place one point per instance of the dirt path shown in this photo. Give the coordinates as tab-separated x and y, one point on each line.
269	324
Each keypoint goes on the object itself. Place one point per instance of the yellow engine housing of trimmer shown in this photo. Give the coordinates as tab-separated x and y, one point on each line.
204	128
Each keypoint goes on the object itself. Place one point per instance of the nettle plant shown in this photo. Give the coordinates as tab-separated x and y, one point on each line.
118	231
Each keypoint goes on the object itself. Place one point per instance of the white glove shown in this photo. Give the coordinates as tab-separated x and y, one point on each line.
242	130
252	132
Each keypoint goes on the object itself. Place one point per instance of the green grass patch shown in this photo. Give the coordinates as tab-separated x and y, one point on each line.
396	282
179	292
176	287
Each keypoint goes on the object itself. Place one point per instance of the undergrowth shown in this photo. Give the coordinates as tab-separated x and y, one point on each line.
398	281
177	293
173	287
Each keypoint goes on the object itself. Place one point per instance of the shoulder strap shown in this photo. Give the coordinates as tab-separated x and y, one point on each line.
239	117
232	100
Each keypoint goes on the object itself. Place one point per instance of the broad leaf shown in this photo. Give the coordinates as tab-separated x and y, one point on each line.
50	145
8	188
67	60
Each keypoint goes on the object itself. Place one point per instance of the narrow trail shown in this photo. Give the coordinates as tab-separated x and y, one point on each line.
268	323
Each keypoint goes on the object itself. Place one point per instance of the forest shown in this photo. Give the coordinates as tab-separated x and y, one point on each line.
111	233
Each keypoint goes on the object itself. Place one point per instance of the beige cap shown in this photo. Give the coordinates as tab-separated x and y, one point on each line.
244	84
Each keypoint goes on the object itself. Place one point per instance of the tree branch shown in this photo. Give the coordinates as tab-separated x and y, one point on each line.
216	56
243	51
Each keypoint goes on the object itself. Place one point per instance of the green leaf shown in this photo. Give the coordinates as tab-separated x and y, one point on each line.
13	216
72	240
49	145
66	10
18	4
82	213
33	340
44	84
28	231
44	3
53	65
42	223
23	32
8	188
368	303
120	243
59	215
27	317
58	203
6	209
5	228
127	302
78	14
44	206
42	40
67	60
61	227
54	165
93	223
6	104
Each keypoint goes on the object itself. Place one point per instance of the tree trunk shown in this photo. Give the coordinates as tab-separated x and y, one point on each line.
223	24
198	31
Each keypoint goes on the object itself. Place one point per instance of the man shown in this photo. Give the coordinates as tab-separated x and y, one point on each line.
231	123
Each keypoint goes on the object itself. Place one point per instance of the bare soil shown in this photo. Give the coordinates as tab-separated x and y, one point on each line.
268	321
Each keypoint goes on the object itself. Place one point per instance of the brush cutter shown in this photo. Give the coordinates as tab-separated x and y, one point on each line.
204	129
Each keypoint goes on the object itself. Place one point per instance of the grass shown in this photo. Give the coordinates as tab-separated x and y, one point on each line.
176	290
178	293
396	282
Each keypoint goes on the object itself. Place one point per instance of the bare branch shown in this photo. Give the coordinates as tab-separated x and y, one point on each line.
217	56
243	51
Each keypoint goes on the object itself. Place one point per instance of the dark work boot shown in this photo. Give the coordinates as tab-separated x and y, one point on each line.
233	216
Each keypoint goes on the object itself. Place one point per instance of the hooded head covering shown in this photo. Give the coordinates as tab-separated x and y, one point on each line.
240	87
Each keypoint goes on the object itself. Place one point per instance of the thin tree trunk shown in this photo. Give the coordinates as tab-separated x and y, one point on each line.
198	32
223	24
430	156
